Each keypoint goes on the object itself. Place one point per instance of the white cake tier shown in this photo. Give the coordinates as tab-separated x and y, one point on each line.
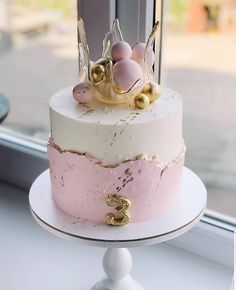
116	133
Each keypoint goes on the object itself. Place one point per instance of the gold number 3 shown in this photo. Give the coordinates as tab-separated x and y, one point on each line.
121	205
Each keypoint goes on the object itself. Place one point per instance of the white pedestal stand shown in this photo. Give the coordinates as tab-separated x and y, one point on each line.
117	261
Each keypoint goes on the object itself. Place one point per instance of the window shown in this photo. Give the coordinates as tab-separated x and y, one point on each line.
38	56
201	65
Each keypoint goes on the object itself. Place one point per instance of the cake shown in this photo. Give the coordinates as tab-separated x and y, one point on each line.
116	151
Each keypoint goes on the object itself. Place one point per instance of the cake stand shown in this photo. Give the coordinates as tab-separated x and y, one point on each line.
117	261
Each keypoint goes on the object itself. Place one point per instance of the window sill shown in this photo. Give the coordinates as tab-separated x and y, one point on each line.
37	259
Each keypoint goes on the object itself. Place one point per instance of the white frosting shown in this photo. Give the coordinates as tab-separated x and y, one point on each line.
117	133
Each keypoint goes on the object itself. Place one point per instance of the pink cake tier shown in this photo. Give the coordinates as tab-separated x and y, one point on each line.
80	185
97	150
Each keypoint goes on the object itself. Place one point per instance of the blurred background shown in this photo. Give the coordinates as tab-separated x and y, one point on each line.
38	55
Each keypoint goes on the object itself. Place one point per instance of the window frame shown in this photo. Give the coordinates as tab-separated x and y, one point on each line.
23	160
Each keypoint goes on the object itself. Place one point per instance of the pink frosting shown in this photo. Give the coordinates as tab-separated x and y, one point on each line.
80	186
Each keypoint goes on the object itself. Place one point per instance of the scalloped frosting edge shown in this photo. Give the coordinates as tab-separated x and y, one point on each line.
155	159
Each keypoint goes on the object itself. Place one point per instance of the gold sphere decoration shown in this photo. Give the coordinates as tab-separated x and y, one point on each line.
141	101
98	73
152	90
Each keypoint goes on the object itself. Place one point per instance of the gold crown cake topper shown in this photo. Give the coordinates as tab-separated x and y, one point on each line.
122	75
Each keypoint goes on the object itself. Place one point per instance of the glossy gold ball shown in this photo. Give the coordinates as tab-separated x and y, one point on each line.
141	101
98	73
152	90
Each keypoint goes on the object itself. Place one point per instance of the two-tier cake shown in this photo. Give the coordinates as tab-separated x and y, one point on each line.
116	150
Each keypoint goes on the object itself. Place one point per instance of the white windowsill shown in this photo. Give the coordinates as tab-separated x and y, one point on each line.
31	258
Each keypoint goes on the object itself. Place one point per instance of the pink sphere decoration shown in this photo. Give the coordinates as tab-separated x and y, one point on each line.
121	50
138	54
82	93
126	72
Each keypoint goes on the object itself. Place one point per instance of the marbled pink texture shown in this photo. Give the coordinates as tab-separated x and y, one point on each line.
80	186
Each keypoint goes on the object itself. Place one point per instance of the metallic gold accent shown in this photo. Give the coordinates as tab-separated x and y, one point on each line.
159	164
121	205
119	90
98	74
152	90
105	91
141	101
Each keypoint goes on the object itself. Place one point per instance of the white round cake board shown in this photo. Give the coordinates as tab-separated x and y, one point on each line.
178	221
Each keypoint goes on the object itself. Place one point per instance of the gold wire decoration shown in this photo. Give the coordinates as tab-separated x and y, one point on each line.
121	205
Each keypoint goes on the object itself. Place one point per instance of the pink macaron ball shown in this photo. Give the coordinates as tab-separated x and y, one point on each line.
138	54
121	50
126	72
82	93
